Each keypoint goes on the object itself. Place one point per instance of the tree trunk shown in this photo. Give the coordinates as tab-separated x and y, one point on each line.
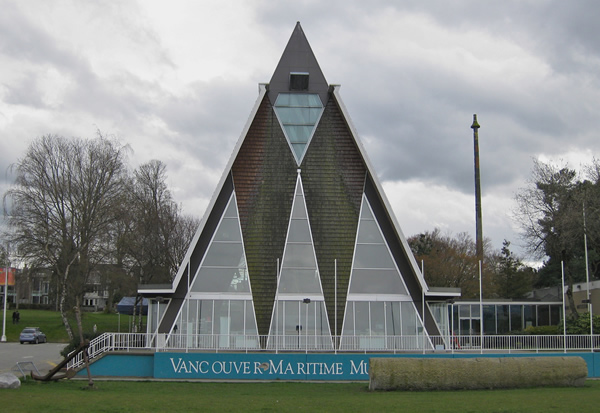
572	306
86	359
134	324
141	315
63	312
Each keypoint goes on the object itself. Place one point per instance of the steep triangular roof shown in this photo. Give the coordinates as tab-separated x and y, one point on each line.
298	57
336	175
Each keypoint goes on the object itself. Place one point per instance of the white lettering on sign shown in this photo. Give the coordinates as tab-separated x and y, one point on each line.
280	368
277	367
192	366
361	369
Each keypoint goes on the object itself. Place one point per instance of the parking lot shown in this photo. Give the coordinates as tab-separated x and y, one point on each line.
44	356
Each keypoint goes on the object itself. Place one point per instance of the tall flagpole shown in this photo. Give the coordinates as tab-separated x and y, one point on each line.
3	339
423	301
335	303
562	272
478	225
277	310
480	311
587	280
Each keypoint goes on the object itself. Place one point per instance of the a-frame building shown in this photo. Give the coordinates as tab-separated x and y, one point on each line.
299	243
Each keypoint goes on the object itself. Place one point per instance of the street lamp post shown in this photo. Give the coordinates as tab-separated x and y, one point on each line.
306	301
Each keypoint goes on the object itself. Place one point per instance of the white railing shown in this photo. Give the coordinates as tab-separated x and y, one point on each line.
110	342
290	343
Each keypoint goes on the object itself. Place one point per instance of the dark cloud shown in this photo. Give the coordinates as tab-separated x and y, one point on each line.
418	116
564	32
413	73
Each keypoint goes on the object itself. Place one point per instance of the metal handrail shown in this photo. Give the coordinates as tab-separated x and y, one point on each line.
21	367
338	344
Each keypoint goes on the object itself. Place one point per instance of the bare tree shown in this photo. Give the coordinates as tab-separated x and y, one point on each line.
452	261
185	229
62	205
151	239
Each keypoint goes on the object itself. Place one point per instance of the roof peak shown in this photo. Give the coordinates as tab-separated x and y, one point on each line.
298	57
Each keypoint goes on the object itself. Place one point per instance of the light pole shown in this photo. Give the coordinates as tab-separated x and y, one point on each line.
306	301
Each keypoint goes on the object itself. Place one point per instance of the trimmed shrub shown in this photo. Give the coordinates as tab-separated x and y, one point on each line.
542	330
23	306
581	324
475	373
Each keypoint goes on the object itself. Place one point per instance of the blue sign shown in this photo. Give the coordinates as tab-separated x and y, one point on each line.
257	366
270	366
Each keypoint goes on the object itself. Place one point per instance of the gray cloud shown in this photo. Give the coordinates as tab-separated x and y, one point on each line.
528	69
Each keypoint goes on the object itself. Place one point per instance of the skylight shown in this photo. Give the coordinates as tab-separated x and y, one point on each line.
298	114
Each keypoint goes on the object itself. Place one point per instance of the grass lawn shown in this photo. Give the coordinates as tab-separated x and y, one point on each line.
126	396
51	324
118	396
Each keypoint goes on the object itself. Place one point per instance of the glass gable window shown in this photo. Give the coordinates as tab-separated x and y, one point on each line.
218	311
223	269
298	114
379	312
373	269
299	271
299	316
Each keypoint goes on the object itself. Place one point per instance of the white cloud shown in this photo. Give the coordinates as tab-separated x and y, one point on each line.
177	80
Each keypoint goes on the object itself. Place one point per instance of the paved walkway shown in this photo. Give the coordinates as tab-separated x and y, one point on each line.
45	356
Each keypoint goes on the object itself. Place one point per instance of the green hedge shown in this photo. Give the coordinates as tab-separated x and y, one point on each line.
542	330
475	373
33	306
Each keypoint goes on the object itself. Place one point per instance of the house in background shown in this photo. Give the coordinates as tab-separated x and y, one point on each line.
38	288
580	296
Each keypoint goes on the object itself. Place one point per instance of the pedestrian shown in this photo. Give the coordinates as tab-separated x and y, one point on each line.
18	316
14	317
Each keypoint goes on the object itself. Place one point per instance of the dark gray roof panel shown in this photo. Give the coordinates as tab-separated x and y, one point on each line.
298	57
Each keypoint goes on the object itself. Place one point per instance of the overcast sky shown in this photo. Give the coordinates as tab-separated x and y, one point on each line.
176	81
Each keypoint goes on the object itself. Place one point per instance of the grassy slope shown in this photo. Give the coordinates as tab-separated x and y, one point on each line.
51	324
68	396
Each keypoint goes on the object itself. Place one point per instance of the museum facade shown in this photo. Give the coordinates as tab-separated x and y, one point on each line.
299	247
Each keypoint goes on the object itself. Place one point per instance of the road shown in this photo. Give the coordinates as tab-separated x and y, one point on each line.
45	356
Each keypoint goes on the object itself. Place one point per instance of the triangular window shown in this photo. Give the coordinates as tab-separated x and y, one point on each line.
299	318
219	303
224	269
374	270
298	114
378	306
299	271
